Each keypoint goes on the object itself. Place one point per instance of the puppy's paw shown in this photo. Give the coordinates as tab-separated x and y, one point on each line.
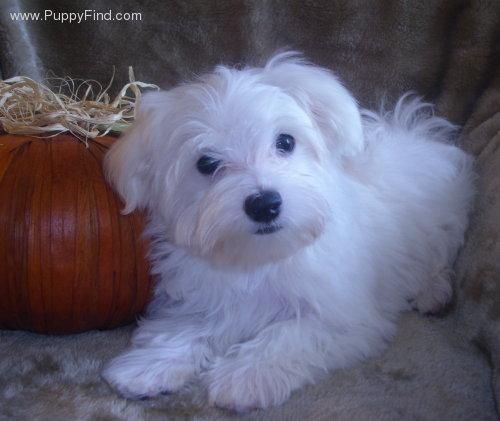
241	388
136	376
435	296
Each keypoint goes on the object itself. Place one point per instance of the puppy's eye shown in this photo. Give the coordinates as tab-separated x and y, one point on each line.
285	143
207	164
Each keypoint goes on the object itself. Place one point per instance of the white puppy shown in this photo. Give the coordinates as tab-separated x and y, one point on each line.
289	229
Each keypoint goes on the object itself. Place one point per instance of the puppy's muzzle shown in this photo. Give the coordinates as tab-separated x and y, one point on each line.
263	206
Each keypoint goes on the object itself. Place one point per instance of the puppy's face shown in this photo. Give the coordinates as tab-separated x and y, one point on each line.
245	178
240	167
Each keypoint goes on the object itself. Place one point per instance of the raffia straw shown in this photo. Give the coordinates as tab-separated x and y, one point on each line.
80	107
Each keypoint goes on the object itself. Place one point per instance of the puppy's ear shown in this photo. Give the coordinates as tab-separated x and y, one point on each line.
321	94
128	163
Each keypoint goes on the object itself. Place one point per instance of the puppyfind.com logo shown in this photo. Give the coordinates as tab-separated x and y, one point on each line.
76	17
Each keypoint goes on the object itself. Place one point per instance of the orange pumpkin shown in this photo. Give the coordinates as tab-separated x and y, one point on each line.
69	261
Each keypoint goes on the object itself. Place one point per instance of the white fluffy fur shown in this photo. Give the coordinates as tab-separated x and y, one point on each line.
374	210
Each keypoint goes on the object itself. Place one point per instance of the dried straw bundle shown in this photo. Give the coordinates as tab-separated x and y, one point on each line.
30	107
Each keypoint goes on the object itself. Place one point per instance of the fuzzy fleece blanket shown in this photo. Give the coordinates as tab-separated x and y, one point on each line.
446	50
427	373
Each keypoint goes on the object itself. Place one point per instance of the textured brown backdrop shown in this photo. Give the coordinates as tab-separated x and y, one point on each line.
444	49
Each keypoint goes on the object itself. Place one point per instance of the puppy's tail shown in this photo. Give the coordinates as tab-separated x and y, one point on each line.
411	115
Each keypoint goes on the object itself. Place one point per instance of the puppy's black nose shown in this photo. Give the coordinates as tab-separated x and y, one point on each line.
263	206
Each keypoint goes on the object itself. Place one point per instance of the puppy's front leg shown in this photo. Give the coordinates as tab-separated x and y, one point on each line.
162	363
264	370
